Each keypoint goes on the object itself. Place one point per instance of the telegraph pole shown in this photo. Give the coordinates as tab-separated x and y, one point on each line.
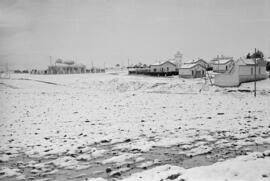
255	73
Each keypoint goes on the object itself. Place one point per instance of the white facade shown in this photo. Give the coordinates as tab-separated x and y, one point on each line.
243	71
218	58
222	66
192	71
163	67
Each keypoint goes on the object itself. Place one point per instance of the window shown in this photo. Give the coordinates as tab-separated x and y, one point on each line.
155	70
162	69
251	71
226	67
259	70
168	69
192	72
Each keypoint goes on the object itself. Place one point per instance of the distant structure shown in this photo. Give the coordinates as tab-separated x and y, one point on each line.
178	59
200	61
138	69
243	70
164	68
66	67
193	69
221	64
4	71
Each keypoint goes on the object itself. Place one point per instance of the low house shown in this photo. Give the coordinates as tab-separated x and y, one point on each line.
243	70
192	70
164	68
66	67
222	65
221	57
138	69
35	71
200	62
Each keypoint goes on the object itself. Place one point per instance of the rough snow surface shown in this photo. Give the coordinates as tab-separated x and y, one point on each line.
111	126
241	168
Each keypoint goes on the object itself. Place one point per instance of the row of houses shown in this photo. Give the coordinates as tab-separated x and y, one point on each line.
228	72
174	66
168	68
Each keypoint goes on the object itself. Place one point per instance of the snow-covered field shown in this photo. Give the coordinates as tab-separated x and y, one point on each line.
115	126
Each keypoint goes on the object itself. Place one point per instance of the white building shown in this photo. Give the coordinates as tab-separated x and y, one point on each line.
160	67
66	67
192	70
222	65
243	70
200	62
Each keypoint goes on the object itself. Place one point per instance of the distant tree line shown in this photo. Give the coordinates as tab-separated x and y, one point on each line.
258	54
21	71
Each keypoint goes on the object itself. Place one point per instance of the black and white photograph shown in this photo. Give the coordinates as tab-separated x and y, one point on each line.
134	90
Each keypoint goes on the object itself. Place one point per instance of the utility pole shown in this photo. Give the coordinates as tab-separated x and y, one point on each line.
255	73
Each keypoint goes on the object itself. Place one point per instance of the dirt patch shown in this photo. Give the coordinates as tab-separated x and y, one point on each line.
94	167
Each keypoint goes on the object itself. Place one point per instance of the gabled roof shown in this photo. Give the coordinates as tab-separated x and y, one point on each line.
245	61
192	62
196	61
248	61
222	57
189	65
201	61
161	63
223	61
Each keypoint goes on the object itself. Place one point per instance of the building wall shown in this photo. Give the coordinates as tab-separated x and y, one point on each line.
247	73
167	67
222	67
229	79
66	69
240	74
187	72
202	63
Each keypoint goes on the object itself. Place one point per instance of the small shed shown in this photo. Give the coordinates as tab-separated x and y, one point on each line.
192	71
167	66
199	61
223	65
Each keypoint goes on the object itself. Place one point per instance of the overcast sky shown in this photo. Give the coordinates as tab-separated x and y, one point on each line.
114	31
